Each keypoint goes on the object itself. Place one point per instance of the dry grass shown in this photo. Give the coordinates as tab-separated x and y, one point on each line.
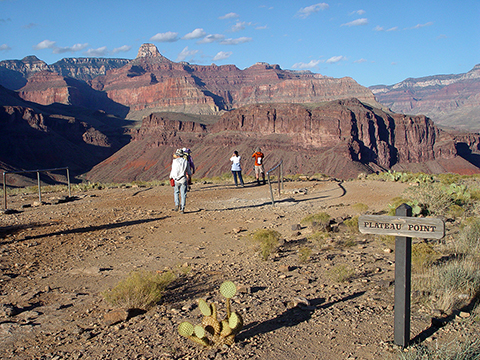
140	290
267	241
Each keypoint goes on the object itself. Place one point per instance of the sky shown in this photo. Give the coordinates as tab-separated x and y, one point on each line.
373	42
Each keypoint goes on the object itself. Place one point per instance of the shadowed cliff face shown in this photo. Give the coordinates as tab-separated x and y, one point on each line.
339	138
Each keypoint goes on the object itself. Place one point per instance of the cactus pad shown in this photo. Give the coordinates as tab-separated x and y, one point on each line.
226	330
204	307
185	329
228	289
235	322
199	331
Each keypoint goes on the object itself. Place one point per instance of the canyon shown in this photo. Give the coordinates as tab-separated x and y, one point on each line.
121	120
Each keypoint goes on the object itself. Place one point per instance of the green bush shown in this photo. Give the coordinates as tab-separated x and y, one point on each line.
140	290
304	254
360	208
342	273
268	241
455	283
468	241
352	224
319	221
423	256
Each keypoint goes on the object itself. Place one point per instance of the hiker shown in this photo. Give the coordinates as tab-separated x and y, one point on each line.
188	153
236	168
258	155
188	156
180	173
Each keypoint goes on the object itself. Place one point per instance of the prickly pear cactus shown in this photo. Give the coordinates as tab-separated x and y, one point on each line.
228	289
214	332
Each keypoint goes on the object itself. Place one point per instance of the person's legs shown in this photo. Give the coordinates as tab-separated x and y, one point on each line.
235	177
176	195
240	177
183	196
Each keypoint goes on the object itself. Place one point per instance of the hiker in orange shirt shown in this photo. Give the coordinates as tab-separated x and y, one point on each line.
259	157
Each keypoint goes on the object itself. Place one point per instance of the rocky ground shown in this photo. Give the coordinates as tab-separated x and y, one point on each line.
57	258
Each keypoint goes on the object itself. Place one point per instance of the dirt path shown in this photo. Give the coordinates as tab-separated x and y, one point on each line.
56	260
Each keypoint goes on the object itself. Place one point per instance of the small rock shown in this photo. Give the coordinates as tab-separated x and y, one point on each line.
242	289
7	310
464	314
388	251
115	316
296	227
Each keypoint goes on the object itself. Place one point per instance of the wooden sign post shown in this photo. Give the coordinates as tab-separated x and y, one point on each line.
404	227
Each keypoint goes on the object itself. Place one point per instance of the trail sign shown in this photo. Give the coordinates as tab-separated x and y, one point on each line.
404	227
426	228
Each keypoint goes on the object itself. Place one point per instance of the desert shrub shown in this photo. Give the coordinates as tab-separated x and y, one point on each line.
352	224
267	240
432	198
140	290
455	283
319	220
475	194
456	211
345	242
468	349
319	237
304	254
361	208
397	201
342	273
423	256
468	240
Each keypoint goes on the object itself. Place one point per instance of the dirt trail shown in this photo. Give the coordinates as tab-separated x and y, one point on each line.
56	260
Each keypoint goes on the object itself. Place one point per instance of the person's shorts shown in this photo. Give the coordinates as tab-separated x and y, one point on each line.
259	170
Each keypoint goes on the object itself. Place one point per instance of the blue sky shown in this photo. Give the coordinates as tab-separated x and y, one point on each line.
374	42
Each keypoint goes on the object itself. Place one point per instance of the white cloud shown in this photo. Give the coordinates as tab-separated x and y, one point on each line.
123	48
222	55
419	26
101	51
185	53
309	10
358	22
168	36
381	28
261	27
231	15
335	59
360	61
45	44
72	49
310	65
195	34
211	38
240	25
5	47
237	41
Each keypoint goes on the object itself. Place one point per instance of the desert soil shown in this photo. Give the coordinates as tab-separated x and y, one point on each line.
56	259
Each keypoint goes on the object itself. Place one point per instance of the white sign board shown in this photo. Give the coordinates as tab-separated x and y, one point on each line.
426	228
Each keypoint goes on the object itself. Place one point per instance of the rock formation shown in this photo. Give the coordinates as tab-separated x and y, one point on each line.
450	100
152	83
341	138
33	136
